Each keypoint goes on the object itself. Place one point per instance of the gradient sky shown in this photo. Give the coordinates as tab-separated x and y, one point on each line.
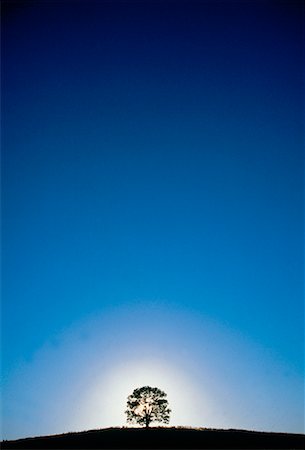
152	209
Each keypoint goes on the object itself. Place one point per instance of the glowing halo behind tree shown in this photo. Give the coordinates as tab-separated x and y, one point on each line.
147	404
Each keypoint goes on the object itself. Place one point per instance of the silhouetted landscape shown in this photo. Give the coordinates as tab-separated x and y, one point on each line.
161	437
152	223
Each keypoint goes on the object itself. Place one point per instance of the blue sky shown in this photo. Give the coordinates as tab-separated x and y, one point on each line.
152	192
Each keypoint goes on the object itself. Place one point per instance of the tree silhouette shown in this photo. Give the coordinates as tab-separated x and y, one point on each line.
147	404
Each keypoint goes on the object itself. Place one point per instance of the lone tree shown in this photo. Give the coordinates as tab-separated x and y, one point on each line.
147	404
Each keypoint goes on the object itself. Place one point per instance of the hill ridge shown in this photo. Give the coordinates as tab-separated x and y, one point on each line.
161	437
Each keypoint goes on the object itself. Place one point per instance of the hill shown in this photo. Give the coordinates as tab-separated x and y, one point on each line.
165	438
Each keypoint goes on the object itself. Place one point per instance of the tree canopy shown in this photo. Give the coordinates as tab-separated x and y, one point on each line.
147	404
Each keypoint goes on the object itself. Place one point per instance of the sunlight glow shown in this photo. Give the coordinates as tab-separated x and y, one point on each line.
210	376
112	391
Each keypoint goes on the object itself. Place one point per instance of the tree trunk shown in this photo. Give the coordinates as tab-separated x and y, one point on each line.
147	420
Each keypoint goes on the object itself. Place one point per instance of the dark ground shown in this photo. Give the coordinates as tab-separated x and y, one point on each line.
162	438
